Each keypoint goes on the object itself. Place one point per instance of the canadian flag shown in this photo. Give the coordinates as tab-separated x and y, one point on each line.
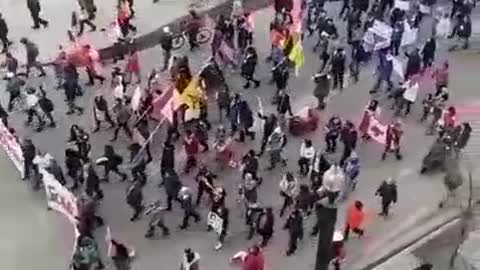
377	130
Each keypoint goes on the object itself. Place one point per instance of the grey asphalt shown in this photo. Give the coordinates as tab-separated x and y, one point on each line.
149	17
418	194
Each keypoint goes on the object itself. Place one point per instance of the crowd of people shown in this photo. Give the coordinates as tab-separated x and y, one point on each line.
232	45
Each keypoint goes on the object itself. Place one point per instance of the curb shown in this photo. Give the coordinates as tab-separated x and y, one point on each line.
152	39
409	243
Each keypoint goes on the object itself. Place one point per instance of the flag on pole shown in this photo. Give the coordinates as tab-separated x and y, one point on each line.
136	98
159	111
296	55
192	94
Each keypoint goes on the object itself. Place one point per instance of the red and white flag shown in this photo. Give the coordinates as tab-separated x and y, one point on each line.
377	130
164	105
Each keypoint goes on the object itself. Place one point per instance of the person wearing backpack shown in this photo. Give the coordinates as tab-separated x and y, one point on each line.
32	54
135	199
47	107
113	160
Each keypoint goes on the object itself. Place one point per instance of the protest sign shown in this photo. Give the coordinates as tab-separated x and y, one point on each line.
402	5
215	222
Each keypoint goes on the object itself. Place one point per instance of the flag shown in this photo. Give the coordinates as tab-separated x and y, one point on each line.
378	36
165	100
192	94
377	130
296	56
227	51
136	98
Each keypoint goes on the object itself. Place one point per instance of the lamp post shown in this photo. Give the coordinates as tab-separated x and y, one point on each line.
328	218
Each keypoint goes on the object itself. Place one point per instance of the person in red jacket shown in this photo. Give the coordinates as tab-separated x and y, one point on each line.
132	67
355	216
392	144
450	118
192	146
254	259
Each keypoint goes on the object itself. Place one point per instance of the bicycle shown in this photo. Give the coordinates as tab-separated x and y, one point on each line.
203	36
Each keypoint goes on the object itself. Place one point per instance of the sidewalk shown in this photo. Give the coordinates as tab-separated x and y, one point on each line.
149	17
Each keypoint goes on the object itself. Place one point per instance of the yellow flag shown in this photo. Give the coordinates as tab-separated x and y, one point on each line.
192	94
296	56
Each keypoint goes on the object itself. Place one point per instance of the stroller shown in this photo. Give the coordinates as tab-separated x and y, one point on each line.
306	121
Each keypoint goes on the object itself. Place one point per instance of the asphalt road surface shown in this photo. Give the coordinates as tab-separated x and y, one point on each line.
418	195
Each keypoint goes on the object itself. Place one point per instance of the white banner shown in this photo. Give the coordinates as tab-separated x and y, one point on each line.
402	5
381	29
12	147
398	67
215	222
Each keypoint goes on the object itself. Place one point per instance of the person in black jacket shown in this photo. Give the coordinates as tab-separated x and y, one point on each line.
349	137
250	165
334	127
283	107
248	67
3	116
35	8
172	186
100	106
71	88
92	183
429	52
463	31
414	64
167	162
112	163
338	68
264	224
4	34
388	192
223	213
166	42
73	163
270	123
135	199
204	179
29	152
46	105
294	225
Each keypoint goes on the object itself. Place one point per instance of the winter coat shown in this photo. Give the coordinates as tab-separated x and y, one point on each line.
464	137
338	63
248	65
245	115
172	184
253	262
388	192
3	28
265	224
413	64
429	49
33	5
322	86
135	195
355	217
294	223
168	157
464	29
28	151
32	51
192	265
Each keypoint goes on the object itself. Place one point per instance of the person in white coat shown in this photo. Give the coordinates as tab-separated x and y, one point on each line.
409	96
307	153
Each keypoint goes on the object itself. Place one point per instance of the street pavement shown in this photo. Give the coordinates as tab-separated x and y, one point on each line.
149	17
418	194
32	237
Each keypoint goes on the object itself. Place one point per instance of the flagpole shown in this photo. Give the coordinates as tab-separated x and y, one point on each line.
150	138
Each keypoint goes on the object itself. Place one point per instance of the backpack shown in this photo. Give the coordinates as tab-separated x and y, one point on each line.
46	104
